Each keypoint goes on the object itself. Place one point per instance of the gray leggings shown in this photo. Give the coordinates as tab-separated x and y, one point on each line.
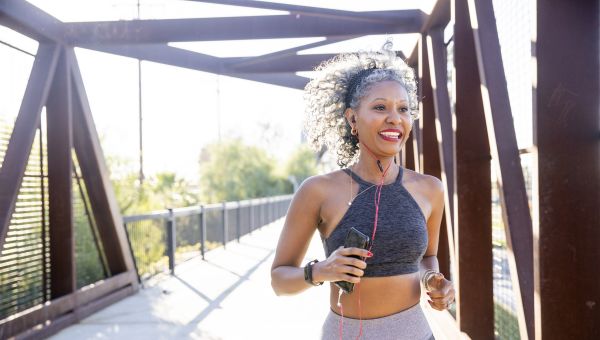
409	324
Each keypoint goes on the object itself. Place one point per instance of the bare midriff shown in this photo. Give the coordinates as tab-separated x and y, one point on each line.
379	296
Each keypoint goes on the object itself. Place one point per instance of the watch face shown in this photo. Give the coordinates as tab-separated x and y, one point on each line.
306	272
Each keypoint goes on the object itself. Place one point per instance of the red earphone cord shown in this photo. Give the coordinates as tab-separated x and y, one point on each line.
377	199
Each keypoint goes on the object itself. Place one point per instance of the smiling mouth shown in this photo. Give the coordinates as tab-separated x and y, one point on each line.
391	136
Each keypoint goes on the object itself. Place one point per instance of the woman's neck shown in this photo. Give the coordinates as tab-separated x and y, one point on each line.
367	168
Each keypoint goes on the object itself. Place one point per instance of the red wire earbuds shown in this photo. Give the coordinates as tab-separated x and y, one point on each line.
377	200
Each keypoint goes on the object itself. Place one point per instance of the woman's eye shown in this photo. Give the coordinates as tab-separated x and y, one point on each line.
403	109
379	107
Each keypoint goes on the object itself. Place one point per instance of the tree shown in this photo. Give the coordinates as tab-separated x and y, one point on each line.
232	171
301	165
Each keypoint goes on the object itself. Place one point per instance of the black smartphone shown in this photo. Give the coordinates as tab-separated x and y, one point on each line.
355	239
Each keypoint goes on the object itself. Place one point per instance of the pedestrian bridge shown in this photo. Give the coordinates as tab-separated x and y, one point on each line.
227	295
520	224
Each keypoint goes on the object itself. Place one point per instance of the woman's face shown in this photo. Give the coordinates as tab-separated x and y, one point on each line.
383	119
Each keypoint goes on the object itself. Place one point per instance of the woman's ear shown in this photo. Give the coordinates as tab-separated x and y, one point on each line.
350	116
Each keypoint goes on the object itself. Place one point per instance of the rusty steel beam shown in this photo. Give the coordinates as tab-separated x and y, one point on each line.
443	116
240	63
289	63
46	330
408	154
566	203
289	80
232	28
309	21
97	182
357	17
21	139
438	19
165	54
31	21
52	310
416	146
473	215
412	59
506	159
63	279
431	157
418	125
442	131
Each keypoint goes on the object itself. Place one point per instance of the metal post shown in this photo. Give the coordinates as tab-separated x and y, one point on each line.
267	215
238	219
251	206
63	275
473	226
565	133
271	211
431	156
171	241
260	213
132	253
202	230
225	226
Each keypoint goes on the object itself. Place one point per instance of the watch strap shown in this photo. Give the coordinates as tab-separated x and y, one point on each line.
308	273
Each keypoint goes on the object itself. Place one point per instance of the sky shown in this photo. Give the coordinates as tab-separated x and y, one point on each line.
184	110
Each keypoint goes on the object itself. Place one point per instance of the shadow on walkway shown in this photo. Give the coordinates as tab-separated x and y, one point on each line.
226	296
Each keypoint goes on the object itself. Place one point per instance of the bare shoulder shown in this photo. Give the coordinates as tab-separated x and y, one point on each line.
429	185
319	186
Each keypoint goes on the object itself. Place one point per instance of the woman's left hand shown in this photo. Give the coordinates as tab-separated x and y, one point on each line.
441	292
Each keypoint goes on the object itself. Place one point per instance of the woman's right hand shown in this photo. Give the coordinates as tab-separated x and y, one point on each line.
340	266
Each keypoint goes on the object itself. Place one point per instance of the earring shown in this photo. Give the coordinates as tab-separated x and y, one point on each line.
354	132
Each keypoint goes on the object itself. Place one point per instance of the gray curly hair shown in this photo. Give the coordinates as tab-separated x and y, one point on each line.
325	96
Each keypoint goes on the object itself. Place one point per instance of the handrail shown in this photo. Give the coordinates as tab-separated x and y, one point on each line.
165	234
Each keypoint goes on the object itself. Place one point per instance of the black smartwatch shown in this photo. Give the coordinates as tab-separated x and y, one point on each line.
308	273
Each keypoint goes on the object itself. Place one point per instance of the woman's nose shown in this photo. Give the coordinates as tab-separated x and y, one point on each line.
394	118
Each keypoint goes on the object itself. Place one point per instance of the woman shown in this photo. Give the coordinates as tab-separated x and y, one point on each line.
363	106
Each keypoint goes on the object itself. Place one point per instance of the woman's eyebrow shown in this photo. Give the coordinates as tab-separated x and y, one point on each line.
402	101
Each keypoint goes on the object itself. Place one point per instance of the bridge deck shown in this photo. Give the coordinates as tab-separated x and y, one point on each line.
227	296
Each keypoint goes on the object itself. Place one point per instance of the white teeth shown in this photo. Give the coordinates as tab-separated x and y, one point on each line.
391	134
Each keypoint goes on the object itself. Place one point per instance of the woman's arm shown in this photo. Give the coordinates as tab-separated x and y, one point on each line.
441	291
303	216
435	193
287	277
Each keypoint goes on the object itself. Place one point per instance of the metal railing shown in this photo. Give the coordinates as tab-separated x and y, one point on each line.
162	239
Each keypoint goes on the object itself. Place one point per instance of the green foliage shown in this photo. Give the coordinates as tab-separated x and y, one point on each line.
148	246
232	171
87	258
158	192
506	324
161	191
301	164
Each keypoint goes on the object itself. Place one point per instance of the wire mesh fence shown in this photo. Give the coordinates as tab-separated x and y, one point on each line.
161	240
505	308
513	20
148	240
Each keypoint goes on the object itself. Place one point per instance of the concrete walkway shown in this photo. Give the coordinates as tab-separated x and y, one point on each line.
227	296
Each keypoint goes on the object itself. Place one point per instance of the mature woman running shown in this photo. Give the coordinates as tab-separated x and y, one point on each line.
363	107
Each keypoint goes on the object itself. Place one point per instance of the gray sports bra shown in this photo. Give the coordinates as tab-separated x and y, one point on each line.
401	238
